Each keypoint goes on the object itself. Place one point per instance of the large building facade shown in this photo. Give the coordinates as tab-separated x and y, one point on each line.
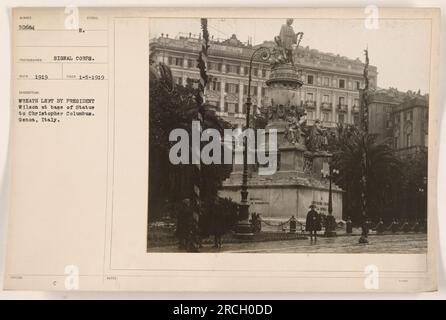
331	83
330	93
411	126
401	119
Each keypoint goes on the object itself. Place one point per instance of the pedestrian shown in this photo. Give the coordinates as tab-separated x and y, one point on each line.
256	222
313	222
349	226
365	225
293	224
217	221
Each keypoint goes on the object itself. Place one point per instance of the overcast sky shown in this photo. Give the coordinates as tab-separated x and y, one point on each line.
399	48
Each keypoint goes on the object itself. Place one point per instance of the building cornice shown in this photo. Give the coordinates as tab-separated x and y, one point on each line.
307	58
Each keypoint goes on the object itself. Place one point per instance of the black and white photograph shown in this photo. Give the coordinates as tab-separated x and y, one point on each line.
231	151
288	135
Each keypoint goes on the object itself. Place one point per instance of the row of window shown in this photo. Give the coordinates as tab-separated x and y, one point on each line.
236	69
327	99
326	117
326	82
256	72
175	61
408	141
408	116
232	108
214	66
234	88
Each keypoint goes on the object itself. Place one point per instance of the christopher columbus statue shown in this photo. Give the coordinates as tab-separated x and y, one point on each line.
283	52
287	38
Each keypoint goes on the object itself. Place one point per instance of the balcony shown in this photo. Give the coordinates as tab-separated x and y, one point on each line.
355	109
342	108
325	124
310	104
326	106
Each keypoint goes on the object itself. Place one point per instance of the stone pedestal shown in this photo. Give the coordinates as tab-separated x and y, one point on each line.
297	183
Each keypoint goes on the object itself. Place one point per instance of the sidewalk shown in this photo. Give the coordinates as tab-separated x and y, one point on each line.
168	239
230	238
387	243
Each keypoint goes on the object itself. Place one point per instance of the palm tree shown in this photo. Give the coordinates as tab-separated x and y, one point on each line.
382	171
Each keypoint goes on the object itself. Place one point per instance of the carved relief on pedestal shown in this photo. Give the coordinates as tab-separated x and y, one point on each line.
292	118
317	138
282	112
308	164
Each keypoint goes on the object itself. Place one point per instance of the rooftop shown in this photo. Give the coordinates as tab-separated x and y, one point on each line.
233	47
405	99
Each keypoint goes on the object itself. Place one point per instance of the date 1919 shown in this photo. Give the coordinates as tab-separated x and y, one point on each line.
91	77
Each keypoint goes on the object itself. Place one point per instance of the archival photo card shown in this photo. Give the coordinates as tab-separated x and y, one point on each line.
223	150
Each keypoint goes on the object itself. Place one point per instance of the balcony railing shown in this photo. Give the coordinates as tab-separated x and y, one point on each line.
342	107
326	124
310	104
355	109
326	106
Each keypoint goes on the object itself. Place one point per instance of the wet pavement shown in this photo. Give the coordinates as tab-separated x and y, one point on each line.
389	243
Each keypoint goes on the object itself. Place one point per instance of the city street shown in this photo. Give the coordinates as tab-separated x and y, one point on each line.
391	243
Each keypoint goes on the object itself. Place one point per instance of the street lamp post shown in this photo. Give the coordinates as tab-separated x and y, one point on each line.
330	223
244	228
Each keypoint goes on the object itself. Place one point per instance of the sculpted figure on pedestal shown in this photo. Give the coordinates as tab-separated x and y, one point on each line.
295	132
282	52
317	140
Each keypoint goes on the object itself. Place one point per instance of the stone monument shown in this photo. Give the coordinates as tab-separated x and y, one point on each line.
301	149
